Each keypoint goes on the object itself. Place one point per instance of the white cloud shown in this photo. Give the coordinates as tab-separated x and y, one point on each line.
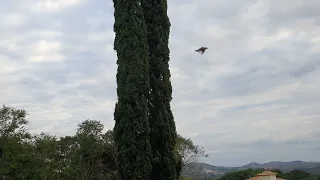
100	36
45	51
259	42
52	6
44	46
7	65
47	33
256	12
12	19
316	45
46	58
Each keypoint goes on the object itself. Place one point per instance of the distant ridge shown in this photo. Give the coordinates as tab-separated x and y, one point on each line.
202	170
284	166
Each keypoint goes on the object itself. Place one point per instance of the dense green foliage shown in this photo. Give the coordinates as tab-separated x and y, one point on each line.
248	173
298	175
131	131
144	92
87	155
241	175
90	154
163	131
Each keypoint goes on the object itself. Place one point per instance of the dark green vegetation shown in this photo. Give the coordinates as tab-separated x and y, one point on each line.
163	131
248	173
90	154
145	132
241	175
87	155
131	131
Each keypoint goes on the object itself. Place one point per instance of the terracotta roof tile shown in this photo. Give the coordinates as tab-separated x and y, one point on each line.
257	178
267	173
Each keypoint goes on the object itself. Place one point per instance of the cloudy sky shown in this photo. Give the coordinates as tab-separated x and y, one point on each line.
253	96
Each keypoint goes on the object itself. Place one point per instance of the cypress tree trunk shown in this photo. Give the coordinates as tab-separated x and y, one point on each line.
131	131
163	131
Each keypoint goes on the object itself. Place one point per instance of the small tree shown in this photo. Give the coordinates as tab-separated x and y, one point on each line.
188	151
18	160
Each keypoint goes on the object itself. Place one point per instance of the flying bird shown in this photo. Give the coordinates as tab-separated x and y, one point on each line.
201	50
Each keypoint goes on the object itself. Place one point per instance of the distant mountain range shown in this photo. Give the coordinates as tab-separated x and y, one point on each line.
202	170
310	167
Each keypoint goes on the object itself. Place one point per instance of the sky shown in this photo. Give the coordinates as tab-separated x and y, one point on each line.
252	97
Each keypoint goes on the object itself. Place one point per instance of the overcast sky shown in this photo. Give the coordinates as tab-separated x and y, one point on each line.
253	95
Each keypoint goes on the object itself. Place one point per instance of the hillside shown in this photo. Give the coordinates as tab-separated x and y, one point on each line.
201	170
287	166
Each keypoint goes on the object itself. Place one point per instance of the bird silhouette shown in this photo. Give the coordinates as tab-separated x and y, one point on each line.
201	50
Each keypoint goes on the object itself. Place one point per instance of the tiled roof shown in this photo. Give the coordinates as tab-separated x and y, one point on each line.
267	173
257	178
254	178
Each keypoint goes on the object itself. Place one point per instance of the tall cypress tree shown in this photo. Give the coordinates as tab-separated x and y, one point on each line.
131	131
163	131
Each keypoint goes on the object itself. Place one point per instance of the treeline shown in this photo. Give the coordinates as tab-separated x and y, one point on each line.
248	173
87	155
